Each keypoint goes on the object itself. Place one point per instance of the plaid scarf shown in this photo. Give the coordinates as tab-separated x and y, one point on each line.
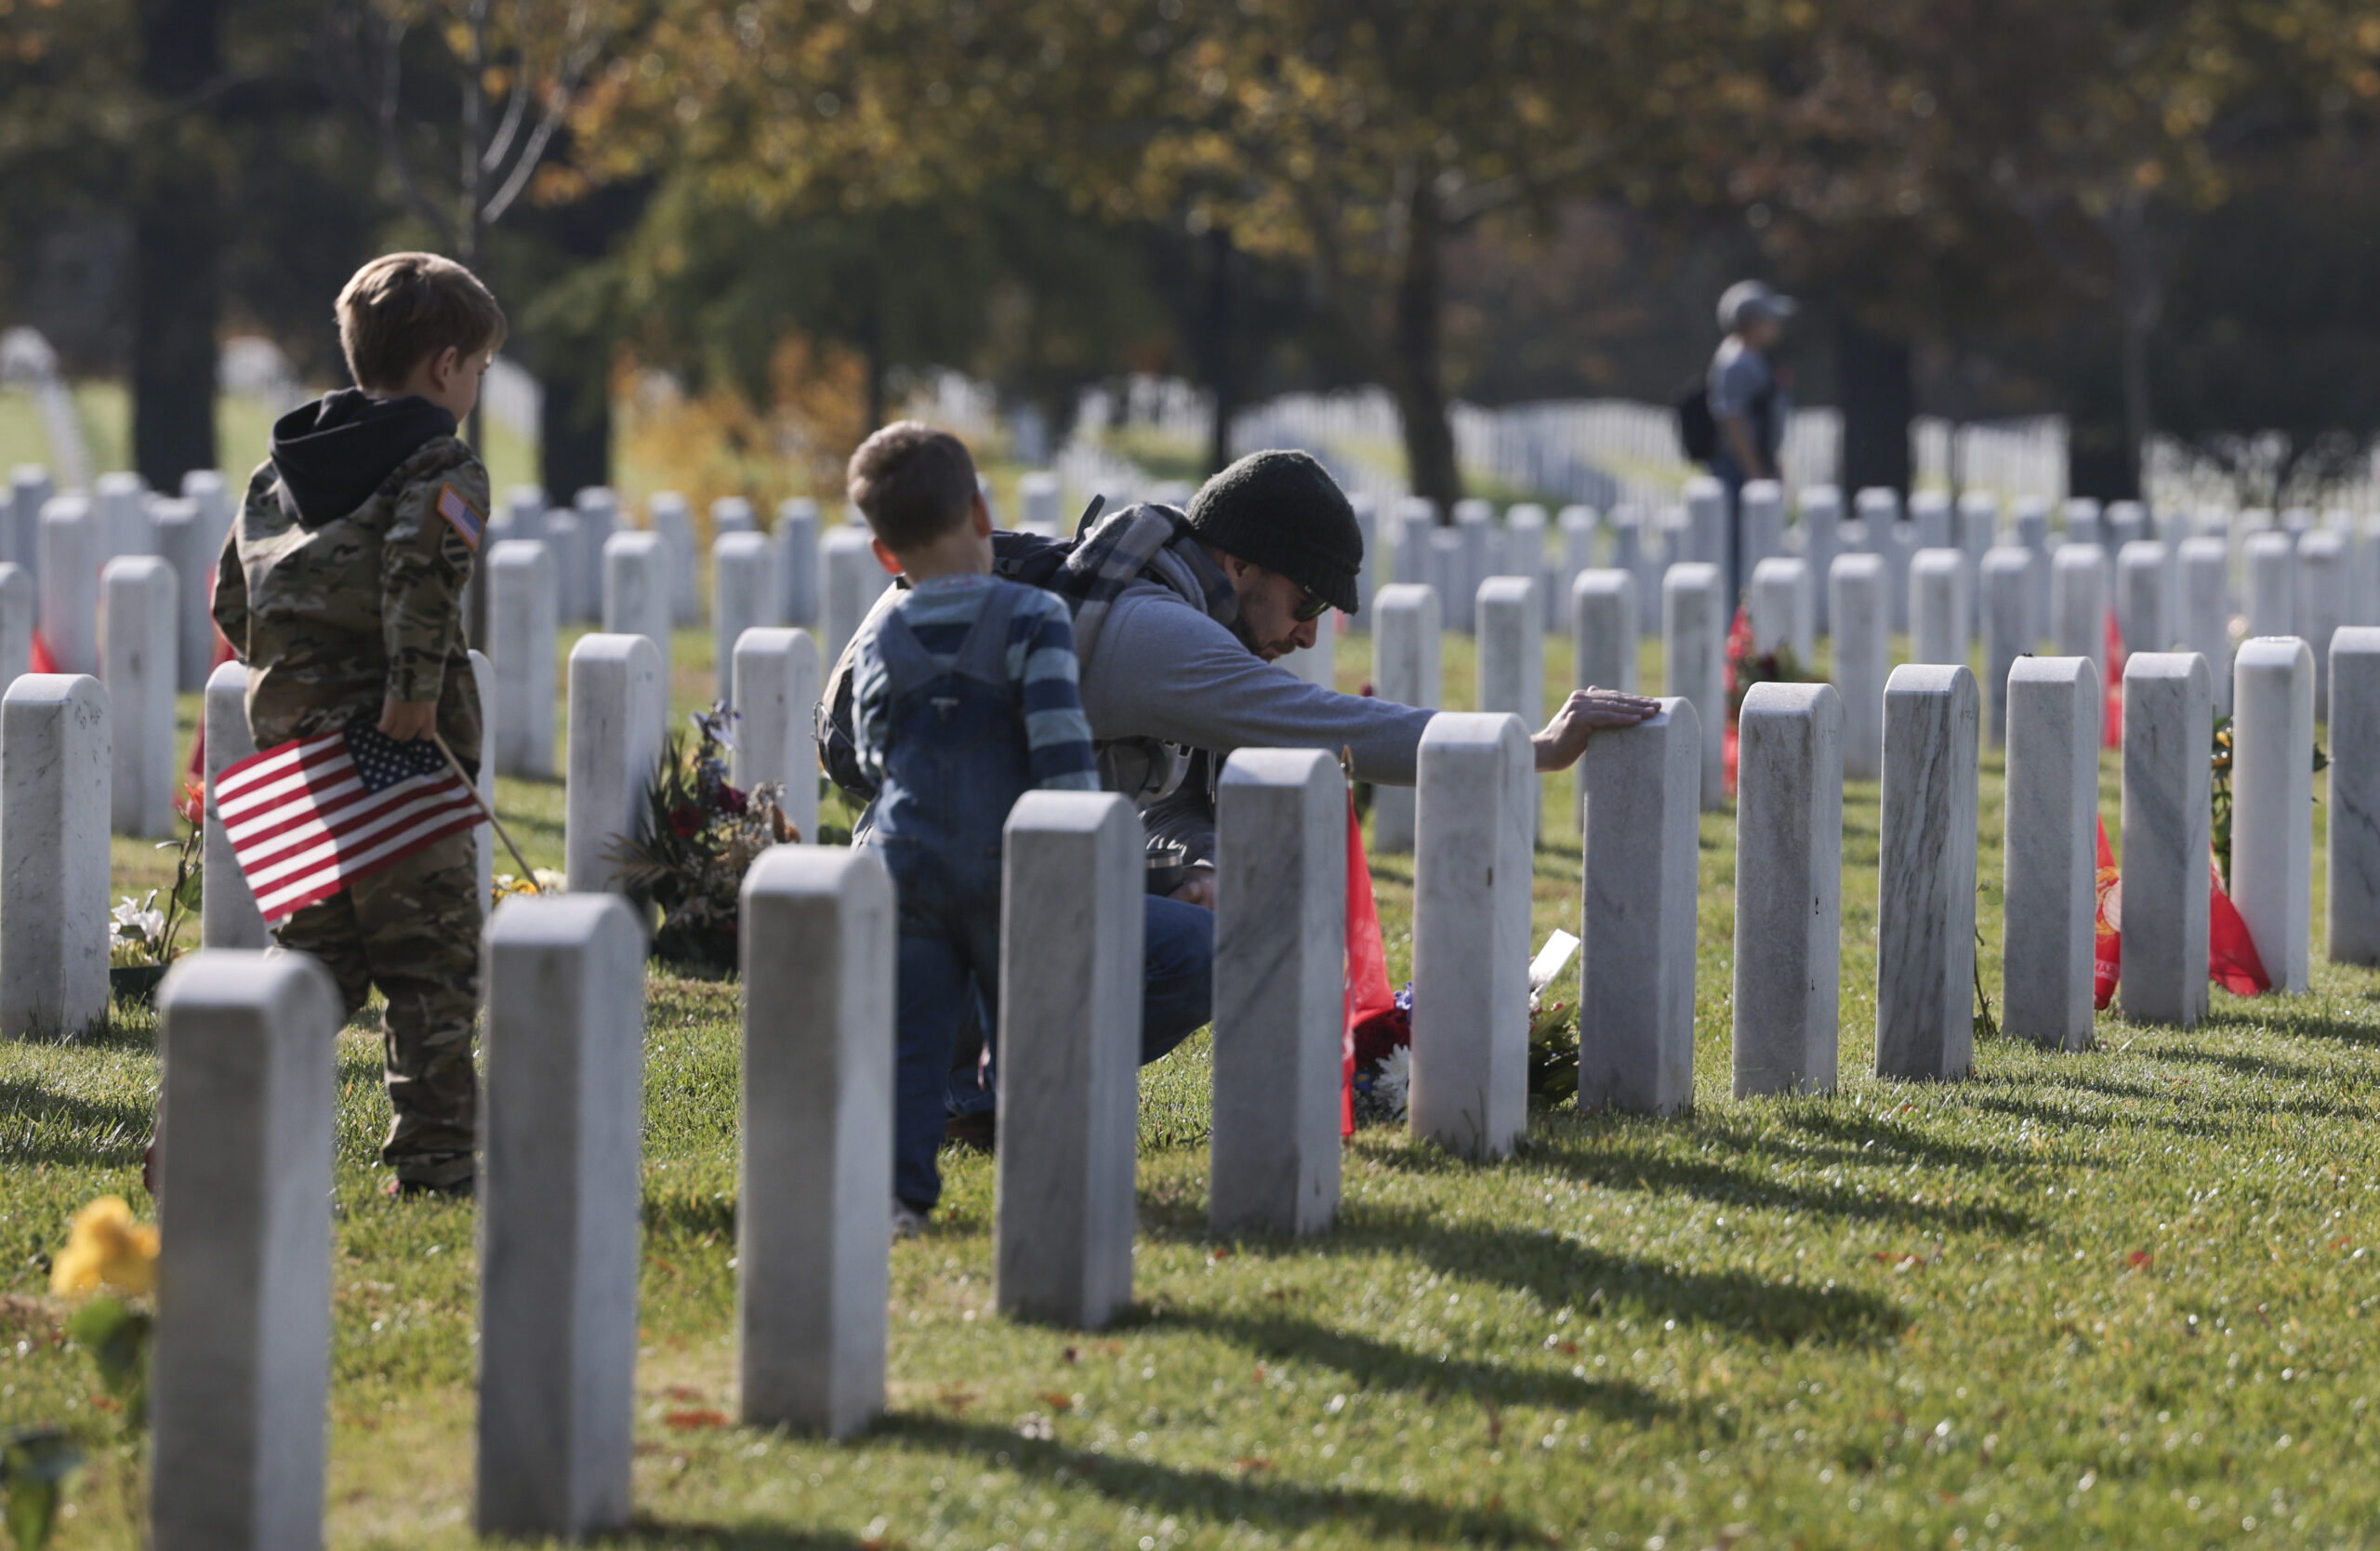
1151	543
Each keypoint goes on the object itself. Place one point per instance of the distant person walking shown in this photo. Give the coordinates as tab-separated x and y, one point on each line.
1749	403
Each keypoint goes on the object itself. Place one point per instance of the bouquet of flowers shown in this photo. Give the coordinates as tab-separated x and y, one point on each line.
695	840
1747	666
1383	1044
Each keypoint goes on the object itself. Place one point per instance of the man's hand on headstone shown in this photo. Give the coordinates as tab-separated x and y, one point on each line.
1564	738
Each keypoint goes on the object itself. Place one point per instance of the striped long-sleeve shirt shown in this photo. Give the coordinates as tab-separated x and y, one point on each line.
1040	659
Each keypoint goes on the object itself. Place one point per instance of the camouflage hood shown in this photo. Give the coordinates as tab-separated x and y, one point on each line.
333	454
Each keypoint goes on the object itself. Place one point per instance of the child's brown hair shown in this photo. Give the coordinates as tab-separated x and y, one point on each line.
402	308
912	482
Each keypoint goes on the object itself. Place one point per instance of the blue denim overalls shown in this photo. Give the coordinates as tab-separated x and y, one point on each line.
957	762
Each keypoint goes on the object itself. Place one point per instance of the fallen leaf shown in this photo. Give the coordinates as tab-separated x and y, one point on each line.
2138	1260
687	1420
1071	1355
683	1392
1221	1252
1056	1401
1253	1462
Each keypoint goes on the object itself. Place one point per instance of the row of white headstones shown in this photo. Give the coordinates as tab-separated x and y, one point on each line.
247	1241
246	1133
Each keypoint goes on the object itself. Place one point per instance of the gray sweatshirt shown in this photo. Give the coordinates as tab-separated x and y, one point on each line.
1164	670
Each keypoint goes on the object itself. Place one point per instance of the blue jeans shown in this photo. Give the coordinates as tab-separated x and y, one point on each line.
1731	559
1177	994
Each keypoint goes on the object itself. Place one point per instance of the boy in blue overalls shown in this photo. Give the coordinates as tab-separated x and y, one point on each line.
963	699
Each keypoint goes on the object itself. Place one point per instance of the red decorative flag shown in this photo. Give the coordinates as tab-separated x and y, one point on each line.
2108	962
309	816
2231	957
1368	990
41	661
2232	961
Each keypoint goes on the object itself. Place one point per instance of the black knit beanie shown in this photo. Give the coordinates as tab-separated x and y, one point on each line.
1283	510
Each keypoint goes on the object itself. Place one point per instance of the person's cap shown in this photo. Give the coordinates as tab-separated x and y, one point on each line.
1283	510
1747	300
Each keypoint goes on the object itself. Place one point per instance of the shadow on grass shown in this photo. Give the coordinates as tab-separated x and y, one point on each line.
2247	1066
2203	1113
731	1537
1561	1272
2044	1112
40	1126
1728	1184
1214	1497
2283	1016
1882	1134
1382	1365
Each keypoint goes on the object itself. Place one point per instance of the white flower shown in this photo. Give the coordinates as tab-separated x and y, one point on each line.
1395	1076
140	923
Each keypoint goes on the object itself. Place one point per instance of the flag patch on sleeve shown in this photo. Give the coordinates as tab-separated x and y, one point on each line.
459	515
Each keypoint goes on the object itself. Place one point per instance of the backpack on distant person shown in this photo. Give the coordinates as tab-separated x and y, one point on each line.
1698	433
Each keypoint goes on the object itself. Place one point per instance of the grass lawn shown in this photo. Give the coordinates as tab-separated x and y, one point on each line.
2115	1297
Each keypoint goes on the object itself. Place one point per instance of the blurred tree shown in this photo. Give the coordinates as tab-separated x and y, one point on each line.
154	119
64	74
1965	169
1342	138
2271	324
490	84
176	186
1355	141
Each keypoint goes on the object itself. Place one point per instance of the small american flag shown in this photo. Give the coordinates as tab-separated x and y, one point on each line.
310	816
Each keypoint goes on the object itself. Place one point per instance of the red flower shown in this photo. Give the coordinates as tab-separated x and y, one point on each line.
731	799
683	821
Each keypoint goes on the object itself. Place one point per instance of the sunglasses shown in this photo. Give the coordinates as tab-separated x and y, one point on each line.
1309	607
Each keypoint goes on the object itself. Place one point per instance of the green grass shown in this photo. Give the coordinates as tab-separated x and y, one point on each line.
2120	1297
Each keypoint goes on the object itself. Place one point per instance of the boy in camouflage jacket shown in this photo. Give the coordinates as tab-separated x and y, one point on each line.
341	589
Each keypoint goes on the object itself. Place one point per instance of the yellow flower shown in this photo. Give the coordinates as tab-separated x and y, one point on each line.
103	1244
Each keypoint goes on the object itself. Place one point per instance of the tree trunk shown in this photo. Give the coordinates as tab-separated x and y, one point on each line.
874	349
574	427
1416	369
177	287
2137	320
1873	380
1214	345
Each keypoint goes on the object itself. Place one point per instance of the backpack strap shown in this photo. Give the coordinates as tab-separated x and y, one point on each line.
907	662
983	655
